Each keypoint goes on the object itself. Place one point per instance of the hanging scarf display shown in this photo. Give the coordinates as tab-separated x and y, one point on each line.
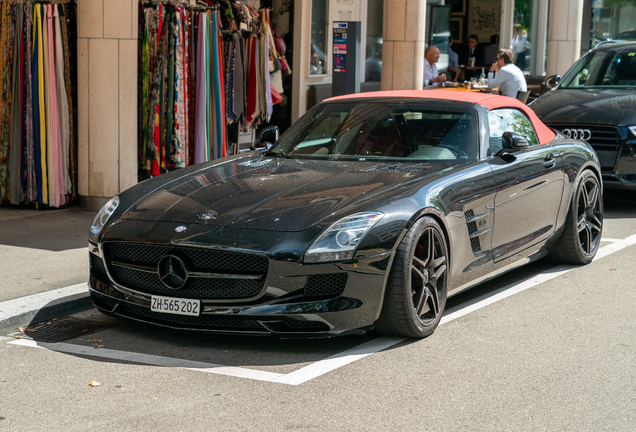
37	138
202	139
201	69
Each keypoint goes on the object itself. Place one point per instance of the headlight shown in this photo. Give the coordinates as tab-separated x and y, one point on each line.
101	218
340	240
632	129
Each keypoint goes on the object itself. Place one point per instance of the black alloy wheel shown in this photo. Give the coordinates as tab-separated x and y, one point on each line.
428	276
589	215
417	288
584	224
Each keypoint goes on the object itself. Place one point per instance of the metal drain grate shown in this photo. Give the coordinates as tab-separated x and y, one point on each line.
64	329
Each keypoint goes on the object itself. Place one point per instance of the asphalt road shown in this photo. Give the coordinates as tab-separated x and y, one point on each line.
558	355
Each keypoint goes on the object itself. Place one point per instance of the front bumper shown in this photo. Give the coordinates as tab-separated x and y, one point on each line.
619	181
282	308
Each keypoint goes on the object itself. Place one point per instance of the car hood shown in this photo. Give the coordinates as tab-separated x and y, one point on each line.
278	194
595	106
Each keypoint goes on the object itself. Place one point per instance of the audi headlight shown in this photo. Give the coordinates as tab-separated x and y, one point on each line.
339	241
101	218
632	129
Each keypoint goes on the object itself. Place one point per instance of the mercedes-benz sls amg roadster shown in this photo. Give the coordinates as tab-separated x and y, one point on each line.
368	213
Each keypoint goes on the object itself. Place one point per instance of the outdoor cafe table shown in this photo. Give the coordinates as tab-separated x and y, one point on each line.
465	89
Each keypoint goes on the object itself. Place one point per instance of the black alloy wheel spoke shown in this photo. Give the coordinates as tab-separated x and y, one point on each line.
419	273
434	302
438	262
421	263
586	243
581	223
435	276
585	197
595	223
592	198
431	245
420	300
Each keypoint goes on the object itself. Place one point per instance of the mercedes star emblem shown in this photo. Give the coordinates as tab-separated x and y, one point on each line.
172	271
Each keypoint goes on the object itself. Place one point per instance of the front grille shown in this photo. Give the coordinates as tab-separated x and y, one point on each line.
325	285
201	259
197	288
605	140
197	260
97	264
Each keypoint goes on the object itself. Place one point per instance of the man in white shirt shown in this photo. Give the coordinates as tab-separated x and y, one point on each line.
431	76
510	79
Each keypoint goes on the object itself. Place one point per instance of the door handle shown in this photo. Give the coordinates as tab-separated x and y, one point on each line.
549	161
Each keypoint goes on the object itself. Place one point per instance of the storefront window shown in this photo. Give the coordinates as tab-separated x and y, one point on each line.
612	19
373	59
318	59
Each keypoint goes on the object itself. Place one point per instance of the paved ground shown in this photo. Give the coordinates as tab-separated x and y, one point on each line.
41	250
537	349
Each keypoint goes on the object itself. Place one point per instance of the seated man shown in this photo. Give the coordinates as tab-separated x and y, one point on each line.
431	76
509	79
474	50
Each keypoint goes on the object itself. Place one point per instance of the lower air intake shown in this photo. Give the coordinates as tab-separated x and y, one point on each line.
325	285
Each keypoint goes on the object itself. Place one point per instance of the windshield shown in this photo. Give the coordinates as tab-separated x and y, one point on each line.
609	69
382	130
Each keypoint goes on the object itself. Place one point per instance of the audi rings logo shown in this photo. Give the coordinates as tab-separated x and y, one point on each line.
172	271
583	134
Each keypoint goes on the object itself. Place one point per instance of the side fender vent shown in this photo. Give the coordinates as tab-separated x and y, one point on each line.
472	228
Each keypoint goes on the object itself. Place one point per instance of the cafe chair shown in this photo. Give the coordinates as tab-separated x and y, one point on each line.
523	96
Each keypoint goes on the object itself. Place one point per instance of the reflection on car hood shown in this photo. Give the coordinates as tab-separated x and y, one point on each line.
277	194
596	106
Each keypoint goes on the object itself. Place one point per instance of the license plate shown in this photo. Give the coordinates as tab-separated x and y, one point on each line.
175	306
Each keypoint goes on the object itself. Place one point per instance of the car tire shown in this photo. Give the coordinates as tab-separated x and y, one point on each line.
581	236
417	286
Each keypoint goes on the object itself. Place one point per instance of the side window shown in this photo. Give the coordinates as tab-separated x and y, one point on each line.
509	120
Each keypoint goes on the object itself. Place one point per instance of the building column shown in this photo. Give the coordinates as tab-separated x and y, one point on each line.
107	98
564	35
403	44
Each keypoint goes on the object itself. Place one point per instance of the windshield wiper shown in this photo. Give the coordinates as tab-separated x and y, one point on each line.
277	154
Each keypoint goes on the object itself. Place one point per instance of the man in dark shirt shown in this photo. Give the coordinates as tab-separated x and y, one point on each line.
473	50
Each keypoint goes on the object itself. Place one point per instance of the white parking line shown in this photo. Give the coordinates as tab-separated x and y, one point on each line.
35	302
334	362
322	367
149	359
517	287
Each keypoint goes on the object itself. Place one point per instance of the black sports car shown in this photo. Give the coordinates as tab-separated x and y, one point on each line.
596	102
367	213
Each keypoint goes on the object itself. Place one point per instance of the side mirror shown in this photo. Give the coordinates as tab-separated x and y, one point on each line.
552	81
515	141
269	136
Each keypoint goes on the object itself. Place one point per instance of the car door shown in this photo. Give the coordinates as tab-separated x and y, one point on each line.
529	186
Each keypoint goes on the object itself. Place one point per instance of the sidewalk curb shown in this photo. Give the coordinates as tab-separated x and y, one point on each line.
43	307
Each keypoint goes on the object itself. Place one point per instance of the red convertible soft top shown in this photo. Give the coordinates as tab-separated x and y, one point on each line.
488	100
